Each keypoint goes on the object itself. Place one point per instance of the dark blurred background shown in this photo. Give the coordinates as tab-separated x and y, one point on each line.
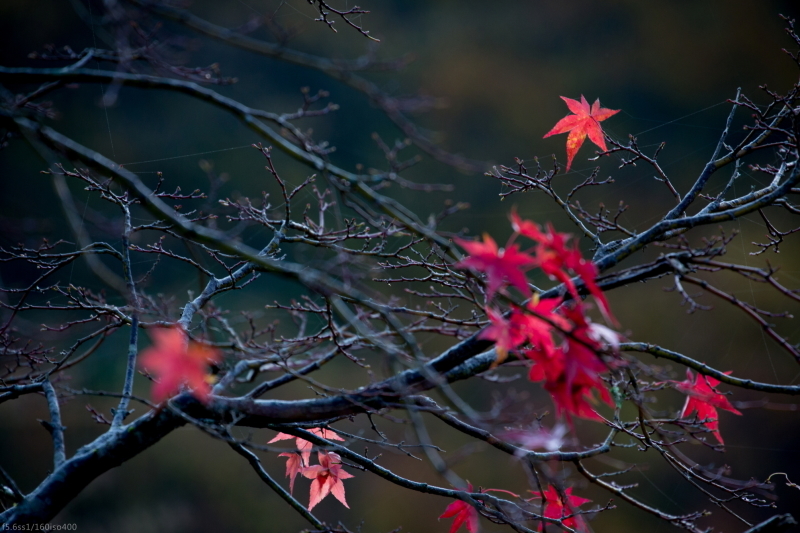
500	68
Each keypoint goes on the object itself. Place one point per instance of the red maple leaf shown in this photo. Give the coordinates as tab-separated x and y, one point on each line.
571	387
327	476
534	327
303	446
506	334
587	271
585	121
556	259
464	514
553	507
499	264
541	320
703	398
175	360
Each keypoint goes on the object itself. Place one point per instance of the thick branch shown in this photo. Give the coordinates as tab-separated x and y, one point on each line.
104	453
775	524
55	427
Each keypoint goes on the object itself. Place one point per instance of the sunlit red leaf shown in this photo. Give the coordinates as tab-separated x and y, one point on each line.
584	122
174	360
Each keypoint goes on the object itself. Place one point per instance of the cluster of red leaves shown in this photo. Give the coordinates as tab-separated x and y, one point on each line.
326	476
552	253
174	360
561	341
558	260
571	373
703	398
585	121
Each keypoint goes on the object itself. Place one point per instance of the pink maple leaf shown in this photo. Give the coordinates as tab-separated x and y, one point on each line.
303	446
533	438
294	466
175	360
327	476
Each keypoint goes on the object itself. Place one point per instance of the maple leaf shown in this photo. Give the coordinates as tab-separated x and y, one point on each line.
552	254
576	396
464	514
704	399
533	327
571	387
294	466
553	507
587	271
585	121
499	264
303	446
175	360
556	258
327	476
506	334
540	321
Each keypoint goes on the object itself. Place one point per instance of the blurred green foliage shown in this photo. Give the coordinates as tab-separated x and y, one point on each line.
500	67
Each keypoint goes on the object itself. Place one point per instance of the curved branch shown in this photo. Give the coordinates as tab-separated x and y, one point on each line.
271	483
663	227
706	370
106	452
686	521
510	449
315	280
248	116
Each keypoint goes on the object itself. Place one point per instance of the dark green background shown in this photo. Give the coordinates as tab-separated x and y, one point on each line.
501	67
